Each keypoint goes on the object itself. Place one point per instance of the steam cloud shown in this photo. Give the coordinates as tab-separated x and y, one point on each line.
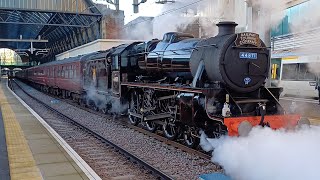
183	14
267	154
101	100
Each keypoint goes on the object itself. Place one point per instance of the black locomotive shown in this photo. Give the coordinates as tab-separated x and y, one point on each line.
185	85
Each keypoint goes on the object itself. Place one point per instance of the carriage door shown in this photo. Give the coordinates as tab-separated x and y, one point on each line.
115	75
108	71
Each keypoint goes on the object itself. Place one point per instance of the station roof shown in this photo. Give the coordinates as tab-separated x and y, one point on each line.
51	20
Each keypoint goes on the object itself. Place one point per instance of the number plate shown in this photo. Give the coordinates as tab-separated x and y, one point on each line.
246	55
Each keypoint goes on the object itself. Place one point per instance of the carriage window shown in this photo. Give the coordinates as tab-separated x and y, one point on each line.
71	74
59	71
62	71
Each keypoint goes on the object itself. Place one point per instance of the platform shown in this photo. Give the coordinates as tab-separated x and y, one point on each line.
306	107
34	150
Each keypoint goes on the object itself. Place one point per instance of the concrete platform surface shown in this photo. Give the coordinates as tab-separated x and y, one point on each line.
34	150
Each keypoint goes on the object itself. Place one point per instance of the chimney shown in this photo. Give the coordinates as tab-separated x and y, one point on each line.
226	27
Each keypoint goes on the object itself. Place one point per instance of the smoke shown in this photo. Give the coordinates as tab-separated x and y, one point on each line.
305	37
190	16
309	17
105	100
314	67
194	17
173	16
271	12
200	16
139	29
268	154
97	93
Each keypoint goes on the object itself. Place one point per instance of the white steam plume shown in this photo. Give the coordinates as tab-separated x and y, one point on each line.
183	13
139	29
309	20
272	12
267	154
173	16
103	100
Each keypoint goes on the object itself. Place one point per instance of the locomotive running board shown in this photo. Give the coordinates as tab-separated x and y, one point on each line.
157	117
151	117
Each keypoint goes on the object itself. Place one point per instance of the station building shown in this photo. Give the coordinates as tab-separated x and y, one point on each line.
295	54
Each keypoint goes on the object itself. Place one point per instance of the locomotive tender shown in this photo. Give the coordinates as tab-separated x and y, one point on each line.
182	84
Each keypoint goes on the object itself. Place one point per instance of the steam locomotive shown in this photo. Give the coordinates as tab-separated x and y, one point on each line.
180	84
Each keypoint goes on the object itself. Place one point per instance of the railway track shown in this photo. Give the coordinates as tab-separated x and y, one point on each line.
157	136
100	153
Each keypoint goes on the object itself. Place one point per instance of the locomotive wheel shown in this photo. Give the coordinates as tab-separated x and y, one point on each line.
134	106
170	131
190	141
151	126
133	120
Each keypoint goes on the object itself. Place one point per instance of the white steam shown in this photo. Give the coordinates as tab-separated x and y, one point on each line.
271	11
105	100
200	16
139	29
267	154
301	27
173	16
194	17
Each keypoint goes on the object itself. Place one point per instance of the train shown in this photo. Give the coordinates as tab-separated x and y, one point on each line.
182	85
296	75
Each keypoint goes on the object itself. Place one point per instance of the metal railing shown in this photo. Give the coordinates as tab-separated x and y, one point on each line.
307	41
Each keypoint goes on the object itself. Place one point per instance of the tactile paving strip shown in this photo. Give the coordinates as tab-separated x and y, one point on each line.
21	162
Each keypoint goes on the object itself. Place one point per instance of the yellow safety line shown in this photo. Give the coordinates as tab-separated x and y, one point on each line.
315	122
21	162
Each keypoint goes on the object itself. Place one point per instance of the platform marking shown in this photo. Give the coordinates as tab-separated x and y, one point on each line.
299	100
21	162
91	174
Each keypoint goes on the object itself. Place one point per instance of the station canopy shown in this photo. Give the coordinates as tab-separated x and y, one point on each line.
55	25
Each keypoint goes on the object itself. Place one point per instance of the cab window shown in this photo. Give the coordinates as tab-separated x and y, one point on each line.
115	63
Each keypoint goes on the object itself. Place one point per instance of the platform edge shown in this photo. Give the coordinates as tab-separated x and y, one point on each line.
91	174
